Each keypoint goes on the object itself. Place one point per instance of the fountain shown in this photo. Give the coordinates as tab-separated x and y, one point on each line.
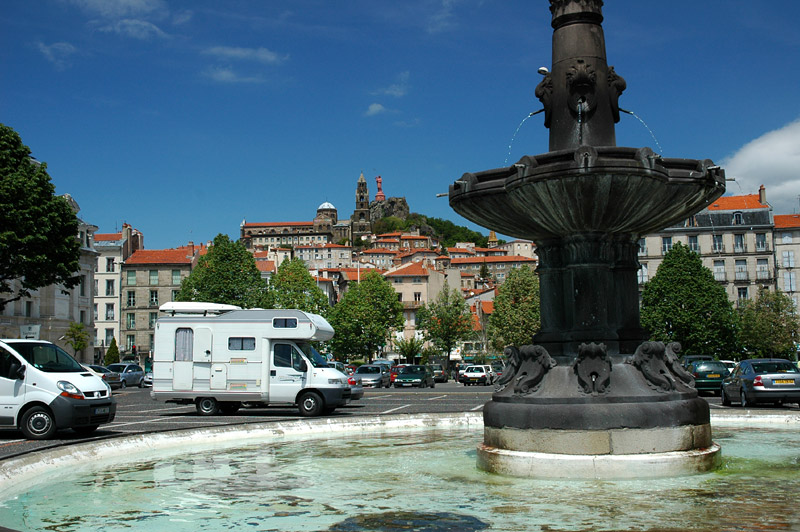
590	397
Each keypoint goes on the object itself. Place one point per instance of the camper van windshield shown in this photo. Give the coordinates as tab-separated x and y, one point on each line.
317	360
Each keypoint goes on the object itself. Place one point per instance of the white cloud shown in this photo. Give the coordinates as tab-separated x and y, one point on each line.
375	109
57	53
138	29
773	159
398	89
182	17
228	75
261	55
443	19
117	9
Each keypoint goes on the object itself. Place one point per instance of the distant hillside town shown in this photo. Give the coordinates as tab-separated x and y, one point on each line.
122	285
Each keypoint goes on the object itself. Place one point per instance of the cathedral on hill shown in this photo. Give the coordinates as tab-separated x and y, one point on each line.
326	227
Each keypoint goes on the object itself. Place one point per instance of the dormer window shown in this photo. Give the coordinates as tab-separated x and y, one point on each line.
738	219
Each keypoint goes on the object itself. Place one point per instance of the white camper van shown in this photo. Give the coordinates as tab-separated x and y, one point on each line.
43	389
220	357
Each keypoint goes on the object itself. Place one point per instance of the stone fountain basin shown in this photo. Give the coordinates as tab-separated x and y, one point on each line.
614	190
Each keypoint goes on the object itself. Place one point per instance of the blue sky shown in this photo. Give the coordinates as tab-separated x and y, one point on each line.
184	118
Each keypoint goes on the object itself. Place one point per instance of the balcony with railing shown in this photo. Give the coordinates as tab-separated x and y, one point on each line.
720	276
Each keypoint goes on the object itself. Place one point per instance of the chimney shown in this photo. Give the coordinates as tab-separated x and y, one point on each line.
762	195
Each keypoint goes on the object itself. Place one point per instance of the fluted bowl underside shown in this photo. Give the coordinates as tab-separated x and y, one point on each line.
613	190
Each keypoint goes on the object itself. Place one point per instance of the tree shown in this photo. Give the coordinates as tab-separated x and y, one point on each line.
364	316
517	312
226	274
769	325
683	303
292	286
112	354
445	321
77	337
38	230
409	347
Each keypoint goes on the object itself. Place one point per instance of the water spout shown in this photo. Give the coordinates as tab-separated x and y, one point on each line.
514	136
660	150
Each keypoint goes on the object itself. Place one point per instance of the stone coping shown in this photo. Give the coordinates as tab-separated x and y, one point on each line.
16	471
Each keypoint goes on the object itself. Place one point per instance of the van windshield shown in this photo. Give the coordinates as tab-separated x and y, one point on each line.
47	357
317	360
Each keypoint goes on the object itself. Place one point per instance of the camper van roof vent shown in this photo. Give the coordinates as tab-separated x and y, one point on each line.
196	307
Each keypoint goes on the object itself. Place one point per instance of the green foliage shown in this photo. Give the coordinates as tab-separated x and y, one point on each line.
390	224
429	353
445	321
112	354
294	287
226	274
77	337
517	312
38	230
364	316
769	325
683	303
408	348
445	231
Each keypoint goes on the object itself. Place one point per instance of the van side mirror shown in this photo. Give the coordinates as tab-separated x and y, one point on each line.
17	371
301	366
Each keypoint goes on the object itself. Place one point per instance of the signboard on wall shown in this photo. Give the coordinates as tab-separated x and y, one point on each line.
29	332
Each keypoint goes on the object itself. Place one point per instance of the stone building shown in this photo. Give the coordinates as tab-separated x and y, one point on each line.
360	223
787	254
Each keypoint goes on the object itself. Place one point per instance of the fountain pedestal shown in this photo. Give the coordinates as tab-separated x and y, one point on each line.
590	394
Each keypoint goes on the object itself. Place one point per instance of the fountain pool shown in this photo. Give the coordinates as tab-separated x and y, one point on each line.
421	479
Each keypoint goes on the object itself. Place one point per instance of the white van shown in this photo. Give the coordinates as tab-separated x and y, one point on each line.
220	357
43	389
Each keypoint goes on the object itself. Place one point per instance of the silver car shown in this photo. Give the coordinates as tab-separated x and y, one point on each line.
373	375
131	374
762	380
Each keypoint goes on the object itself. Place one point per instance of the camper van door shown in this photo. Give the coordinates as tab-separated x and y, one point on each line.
287	373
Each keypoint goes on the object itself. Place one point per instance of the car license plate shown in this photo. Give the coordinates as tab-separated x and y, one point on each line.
783	381
713	376
101	410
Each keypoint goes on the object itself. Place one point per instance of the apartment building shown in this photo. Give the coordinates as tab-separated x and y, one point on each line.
498	267
787	251
734	237
321	256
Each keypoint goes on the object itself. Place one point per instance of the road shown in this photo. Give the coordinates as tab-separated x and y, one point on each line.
138	413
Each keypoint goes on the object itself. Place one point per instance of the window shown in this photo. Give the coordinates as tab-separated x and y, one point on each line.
761	242
738	243
241	344
175	295
786	238
83	287
642	246
110	264
28	309
82	318
789	282
788	259
741	293
286	356
109	311
131	278
642	274
153	298
741	270
693	244
716	243
131	320
417	297
131	298
666	244
284	323
109	287
109	336
184	340
151	321
176	277
738	219
719	270
130	341
762	269
153	277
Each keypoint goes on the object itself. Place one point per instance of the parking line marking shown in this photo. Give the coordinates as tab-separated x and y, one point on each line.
476	408
395	409
432	398
380	396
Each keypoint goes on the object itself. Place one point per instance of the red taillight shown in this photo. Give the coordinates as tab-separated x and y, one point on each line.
351	381
696	375
757	381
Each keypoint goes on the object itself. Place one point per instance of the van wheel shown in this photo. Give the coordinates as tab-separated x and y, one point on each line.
124	384
207	406
141	383
38	423
310	404
230	407
85	430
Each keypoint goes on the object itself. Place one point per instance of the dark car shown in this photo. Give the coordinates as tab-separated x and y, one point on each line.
439	373
708	375
416	376
689	359
131	374
762	380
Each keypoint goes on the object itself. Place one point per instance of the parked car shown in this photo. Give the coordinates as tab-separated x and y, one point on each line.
688	359
476	375
439	373
111	377
394	370
730	364
708	375
416	376
356	389
349	369
762	380
374	376
131	374
148	379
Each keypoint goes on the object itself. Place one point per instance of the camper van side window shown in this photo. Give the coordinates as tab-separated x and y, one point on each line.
283	356
241	344
184	340
284	323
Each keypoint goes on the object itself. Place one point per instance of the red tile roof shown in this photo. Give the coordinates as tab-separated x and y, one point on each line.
787	221
380	251
737	203
491	259
182	255
266	265
107	237
415	269
277	224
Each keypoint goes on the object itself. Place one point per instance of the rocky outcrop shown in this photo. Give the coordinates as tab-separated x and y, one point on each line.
397	207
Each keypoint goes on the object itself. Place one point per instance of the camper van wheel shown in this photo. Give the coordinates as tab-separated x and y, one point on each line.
38	423
207	406
310	404
229	407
